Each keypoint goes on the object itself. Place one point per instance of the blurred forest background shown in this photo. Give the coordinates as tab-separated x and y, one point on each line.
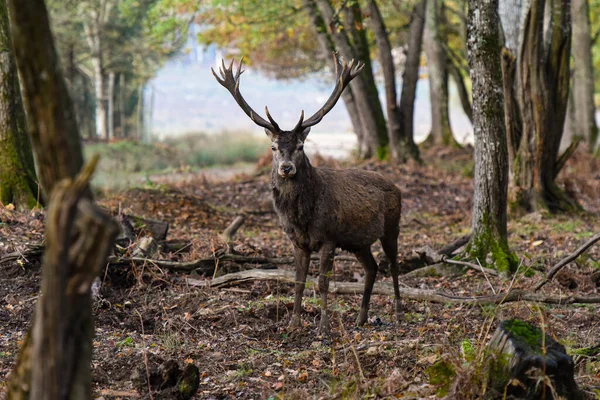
140	70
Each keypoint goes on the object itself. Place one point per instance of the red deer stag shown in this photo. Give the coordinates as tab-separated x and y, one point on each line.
322	209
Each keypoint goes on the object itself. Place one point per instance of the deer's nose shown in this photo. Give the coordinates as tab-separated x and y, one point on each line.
286	169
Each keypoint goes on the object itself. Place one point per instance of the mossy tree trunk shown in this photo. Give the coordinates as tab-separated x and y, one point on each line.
489	233
55	358
537	90
17	172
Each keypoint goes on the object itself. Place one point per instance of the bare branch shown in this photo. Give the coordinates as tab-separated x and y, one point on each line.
560	265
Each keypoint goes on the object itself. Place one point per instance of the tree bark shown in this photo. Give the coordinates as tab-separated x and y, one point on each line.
489	232
17	172
110	96
583	75
537	92
55	359
360	91
394	119
437	69
410	78
544	76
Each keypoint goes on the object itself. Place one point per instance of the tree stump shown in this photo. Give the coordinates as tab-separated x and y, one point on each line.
527	364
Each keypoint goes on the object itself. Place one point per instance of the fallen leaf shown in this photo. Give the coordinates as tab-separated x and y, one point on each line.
537	243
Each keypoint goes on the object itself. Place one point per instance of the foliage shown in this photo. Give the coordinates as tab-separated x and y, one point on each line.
134	38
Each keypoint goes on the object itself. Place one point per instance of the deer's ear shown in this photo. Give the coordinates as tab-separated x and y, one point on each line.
271	135
302	135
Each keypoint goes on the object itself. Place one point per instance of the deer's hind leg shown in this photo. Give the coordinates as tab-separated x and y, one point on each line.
370	265
389	242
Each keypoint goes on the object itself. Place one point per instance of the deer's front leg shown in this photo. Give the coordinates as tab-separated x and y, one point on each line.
326	259
302	260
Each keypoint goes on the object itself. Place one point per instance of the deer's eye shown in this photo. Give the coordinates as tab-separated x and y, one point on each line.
273	148
300	148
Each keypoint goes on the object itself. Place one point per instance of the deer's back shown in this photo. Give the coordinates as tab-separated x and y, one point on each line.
356	207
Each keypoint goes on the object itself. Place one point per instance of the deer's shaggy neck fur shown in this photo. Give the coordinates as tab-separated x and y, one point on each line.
295	200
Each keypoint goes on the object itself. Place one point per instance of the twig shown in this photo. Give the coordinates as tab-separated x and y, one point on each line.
560	265
478	268
385	288
485	275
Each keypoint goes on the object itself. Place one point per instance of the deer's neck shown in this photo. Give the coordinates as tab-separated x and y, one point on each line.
300	188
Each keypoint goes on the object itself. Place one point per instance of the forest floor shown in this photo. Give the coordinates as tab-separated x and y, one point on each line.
237	336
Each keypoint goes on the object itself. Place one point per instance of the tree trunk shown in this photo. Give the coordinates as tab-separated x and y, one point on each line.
489	221
354	25
583	75
110	96
122	88
463	93
17	172
437	69
327	47
511	13
410	78
101	114
394	120
544	76
140	112
55	359
360	91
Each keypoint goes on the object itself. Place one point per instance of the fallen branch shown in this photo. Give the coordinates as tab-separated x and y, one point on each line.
457	244
207	265
228	233
387	289
561	264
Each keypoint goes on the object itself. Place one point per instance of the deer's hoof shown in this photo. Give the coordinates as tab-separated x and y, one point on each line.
294	323
399	312
362	317
324	326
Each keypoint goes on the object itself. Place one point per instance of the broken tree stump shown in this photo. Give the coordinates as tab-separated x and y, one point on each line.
526	363
167	381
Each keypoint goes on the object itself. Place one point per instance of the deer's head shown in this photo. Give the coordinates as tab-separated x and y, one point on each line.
287	146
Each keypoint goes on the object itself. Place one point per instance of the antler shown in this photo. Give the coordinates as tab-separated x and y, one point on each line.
231	82
348	72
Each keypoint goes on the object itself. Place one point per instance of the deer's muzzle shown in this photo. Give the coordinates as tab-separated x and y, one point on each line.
286	169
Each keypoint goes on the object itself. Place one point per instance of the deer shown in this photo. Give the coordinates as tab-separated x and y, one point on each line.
323	209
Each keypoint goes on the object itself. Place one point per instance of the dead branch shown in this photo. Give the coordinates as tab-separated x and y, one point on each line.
387	289
452	247
233	228
561	264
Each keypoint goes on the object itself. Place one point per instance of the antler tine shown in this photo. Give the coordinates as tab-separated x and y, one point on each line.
230	80
299	124
343	78
271	118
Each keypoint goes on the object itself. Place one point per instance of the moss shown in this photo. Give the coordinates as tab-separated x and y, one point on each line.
486	242
525	332
441	374
383	152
